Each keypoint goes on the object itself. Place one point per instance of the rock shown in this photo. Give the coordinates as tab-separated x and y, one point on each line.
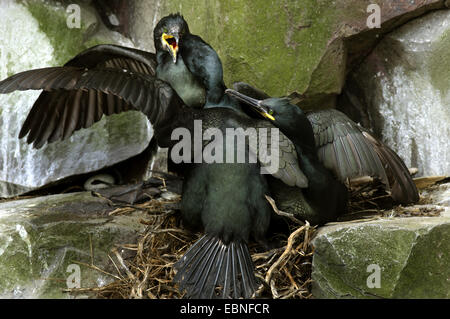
43	241
294	46
397	257
35	34
427	181
405	83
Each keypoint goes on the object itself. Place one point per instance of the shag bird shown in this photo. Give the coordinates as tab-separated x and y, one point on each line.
325	198
189	64
227	200
339	144
111	79
194	70
343	147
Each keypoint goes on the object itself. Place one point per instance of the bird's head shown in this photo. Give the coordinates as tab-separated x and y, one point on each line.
168	34
289	118
277	110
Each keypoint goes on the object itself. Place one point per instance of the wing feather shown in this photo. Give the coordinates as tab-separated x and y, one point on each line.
85	98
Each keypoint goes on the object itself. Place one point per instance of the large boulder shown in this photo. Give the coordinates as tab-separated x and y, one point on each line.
49	244
405	83
35	34
390	257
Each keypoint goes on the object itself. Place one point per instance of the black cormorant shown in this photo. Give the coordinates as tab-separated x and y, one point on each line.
346	149
227	200
337	144
189	64
325	198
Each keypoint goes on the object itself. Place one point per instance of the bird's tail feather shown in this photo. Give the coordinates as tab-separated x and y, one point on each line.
210	263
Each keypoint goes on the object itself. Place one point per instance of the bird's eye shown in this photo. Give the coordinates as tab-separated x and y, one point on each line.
270	111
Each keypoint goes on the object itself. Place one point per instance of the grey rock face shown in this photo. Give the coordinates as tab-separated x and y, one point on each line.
37	36
406	83
398	257
45	243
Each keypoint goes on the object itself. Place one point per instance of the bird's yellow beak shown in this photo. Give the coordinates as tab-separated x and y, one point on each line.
267	115
172	43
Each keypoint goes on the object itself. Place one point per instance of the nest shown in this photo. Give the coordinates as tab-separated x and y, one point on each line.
284	272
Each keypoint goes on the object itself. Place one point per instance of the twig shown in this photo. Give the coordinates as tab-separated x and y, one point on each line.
281	213
286	252
122	263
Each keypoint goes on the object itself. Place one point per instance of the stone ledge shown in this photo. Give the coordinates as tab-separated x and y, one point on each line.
411	253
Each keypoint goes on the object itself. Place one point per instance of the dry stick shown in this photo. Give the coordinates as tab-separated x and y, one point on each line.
306	240
163	180
92	249
267	254
96	268
141	284
364	211
158	231
290	294
78	290
283	256
273	289
280	212
127	246
291	279
115	266
122	263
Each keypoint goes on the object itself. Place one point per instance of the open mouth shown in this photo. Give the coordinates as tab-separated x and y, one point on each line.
172	42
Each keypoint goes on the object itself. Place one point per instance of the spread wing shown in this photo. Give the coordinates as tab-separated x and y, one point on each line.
403	188
79	96
257	136
84	106
283	165
288	169
351	151
342	147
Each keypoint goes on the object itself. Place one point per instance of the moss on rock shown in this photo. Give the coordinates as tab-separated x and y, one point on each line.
40	237
410	253
52	19
274	46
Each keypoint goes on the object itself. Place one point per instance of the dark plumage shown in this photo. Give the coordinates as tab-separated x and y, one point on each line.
64	110
189	64
226	200
325	198
337	143
342	146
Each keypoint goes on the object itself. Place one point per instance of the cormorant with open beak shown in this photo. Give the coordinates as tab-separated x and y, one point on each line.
225	200
343	147
189	64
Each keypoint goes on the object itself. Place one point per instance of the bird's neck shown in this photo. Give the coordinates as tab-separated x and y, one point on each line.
299	130
325	193
220	99
160	56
